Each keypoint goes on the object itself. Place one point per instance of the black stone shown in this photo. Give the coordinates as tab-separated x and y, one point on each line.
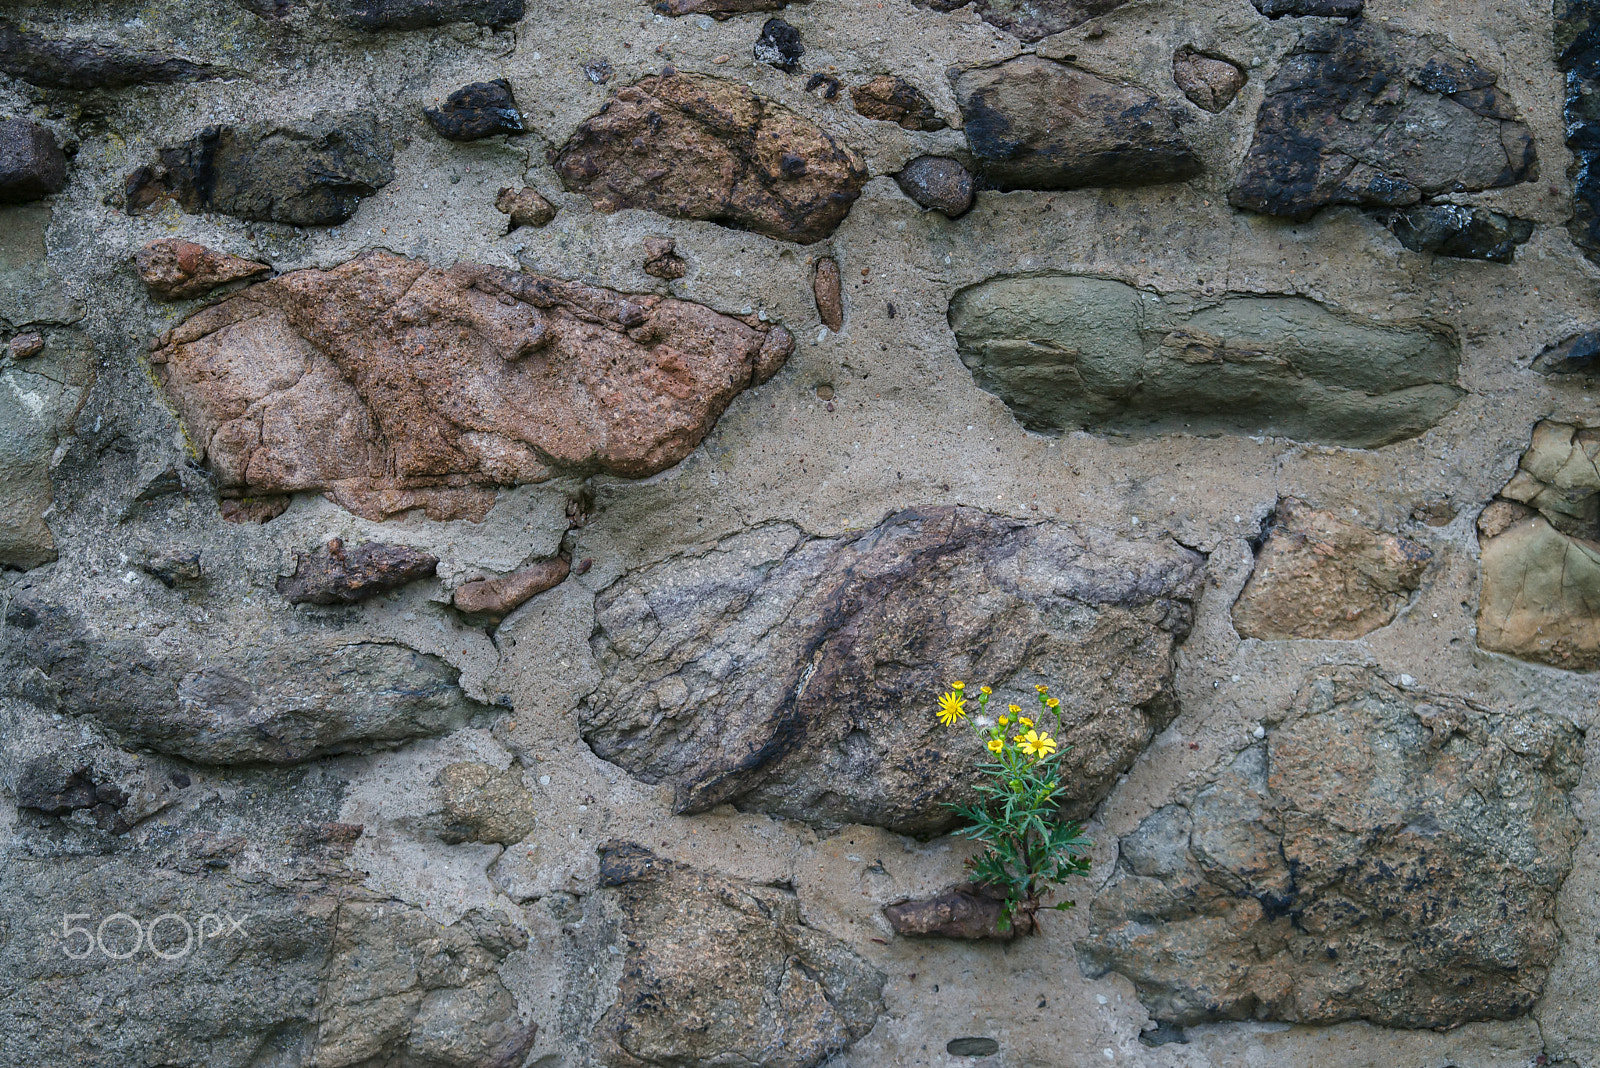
31	163
1162	1034
174	566
1579	354
80	64
1577	40
779	45
972	1047
1277	9
476	111
1465	233
628	862
52	788
938	183
307	174
374	16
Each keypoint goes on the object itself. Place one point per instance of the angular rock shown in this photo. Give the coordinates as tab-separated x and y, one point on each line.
476	111
1210	82
501	596
1030	20
312	173
1384	854
938	183
334	574
1578	56
391	385
889	98
31	164
1317	576
721	10
482	804
1465	233
1540	549
174	566
828	293
173	269
842	643
719	971
82	64
1034	123
374	16
694	147
25	346
525	206
1277	9
965	912
661	259
779	46
1359	114
1070	352
1579	354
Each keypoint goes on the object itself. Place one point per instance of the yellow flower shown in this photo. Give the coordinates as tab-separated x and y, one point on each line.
958	685
1041	689
951	708
985	690
1053	703
1004	721
1025	721
1035	744
995	745
1014	708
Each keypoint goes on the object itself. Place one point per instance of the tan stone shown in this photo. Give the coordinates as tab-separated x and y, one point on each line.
173	269
500	596
525	206
825	286
482	804
1318	576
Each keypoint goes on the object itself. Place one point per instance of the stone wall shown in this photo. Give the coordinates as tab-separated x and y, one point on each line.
489	490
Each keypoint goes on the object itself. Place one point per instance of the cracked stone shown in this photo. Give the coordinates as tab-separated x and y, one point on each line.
173	269
661	259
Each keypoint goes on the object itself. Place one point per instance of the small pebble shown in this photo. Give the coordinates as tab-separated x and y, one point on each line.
721	59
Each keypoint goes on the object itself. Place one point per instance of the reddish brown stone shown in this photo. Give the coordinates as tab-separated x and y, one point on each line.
661	258
959	912
500	596
694	147
335	574
889	98
391	385
826	288
173	269
525	206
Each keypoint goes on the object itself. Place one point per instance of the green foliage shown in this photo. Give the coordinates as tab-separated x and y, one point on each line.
1032	849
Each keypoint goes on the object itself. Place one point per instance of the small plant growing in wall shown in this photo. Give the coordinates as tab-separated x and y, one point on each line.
1032	848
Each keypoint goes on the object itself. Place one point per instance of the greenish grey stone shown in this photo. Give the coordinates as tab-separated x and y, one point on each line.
1070	352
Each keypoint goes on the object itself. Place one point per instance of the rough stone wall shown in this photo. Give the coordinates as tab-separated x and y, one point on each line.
488	488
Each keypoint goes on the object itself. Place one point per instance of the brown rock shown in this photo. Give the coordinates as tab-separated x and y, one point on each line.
336	575
960	912
938	183
694	147
661	258
173	269
1318	576
25	346
482	804
525	206
1498	517
391	385
718	9
825	286
500	596
32	165
890	98
254	509
1209	82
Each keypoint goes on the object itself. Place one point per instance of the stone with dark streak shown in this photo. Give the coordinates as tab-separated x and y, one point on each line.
337	574
890	98
74	63
721	10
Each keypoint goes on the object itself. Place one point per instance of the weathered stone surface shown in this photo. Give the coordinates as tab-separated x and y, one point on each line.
661	259
938	183
1277	9
392	385
890	98
1465	233
335	574
312	173
39	400
965	912
828	292
785	673
482	804
216	699
501	596
1210	82
476	111
25	346
719	971
694	147
174	269
721	10
31	164
1577	41
1069	352
174	566
1383	855
525	206
374	16
1576	355
779	46
1541	553
83	64
1033	123
1030	20
1359	114
1318	576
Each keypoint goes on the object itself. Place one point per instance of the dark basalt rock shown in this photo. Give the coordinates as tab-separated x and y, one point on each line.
377	15
31	164
1030	20
889	98
721	10
1277	9
938	183
779	46
1579	354
1577	39
837	638
307	174
1362	115
334	574
476	111
1033	123
81	64
1383	854
1464	233
694	147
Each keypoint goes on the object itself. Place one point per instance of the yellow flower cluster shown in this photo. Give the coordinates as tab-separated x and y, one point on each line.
1029	741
